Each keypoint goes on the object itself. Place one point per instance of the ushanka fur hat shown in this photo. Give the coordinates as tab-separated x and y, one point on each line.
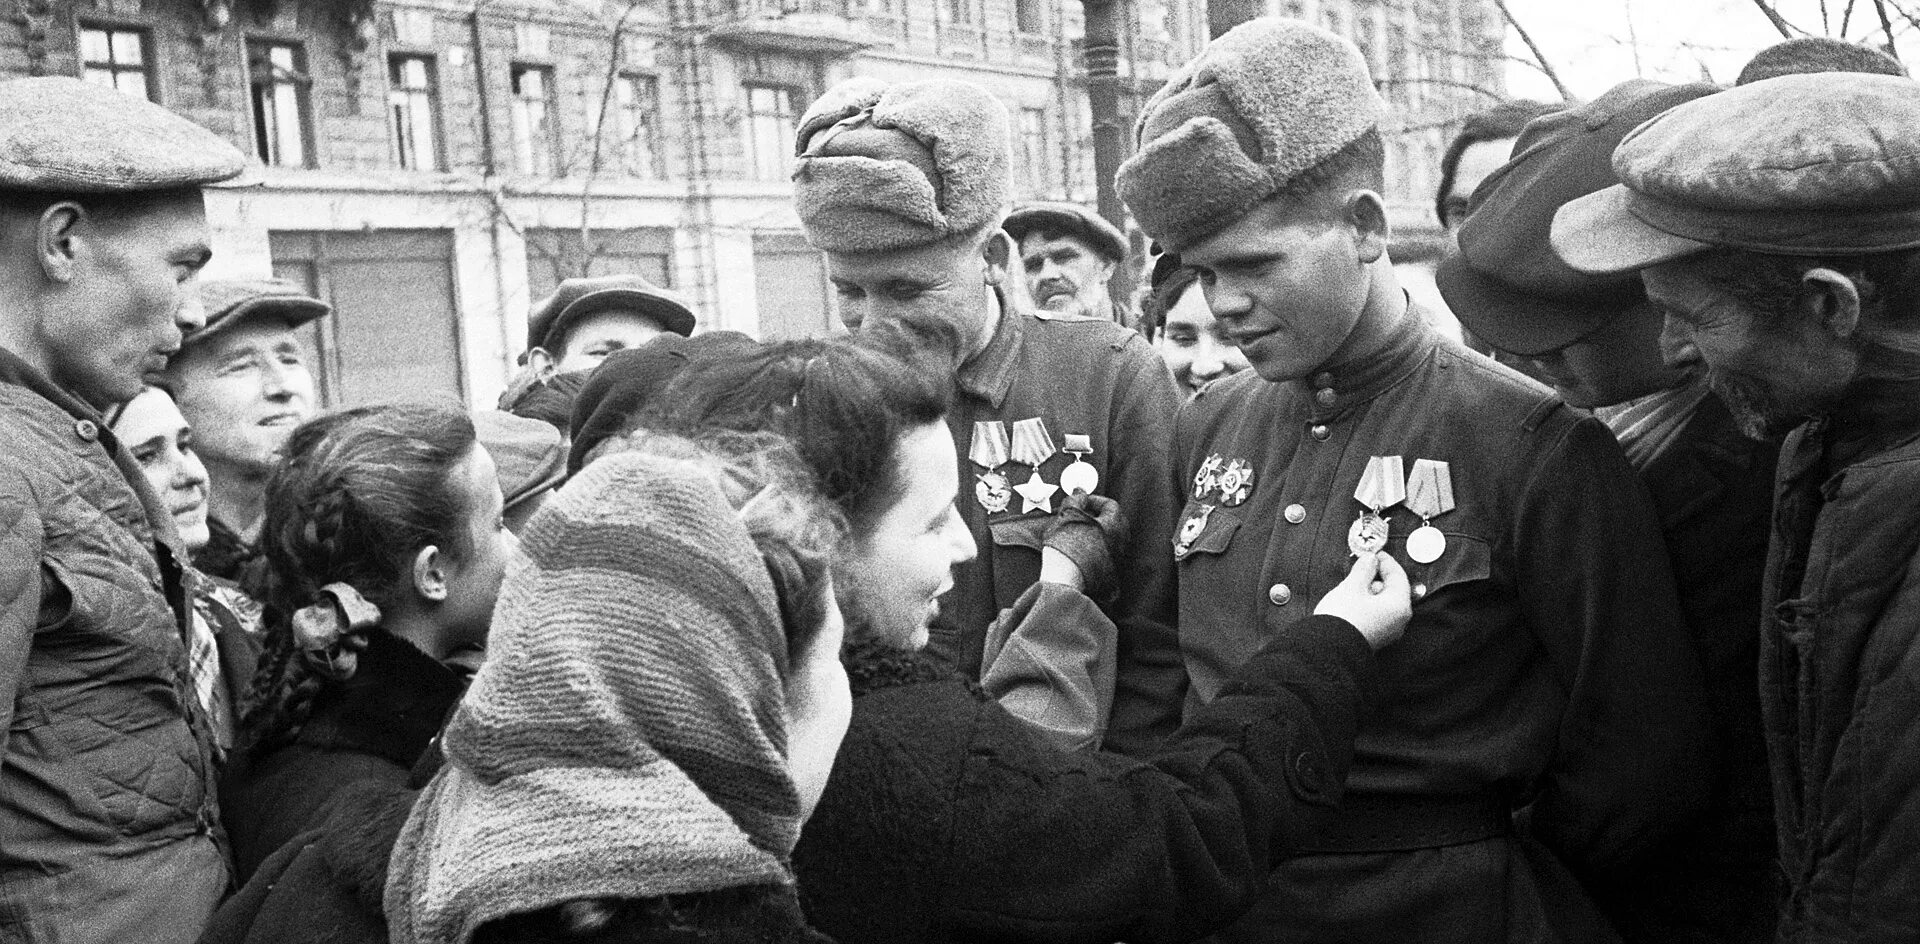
1267	100
889	167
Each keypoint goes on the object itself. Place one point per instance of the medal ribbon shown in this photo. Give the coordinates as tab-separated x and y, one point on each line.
1079	444
989	449
1032	444
1429	489
1382	485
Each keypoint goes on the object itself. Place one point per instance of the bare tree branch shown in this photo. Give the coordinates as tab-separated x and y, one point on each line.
1846	17
1540	58
1474	87
1774	17
1886	26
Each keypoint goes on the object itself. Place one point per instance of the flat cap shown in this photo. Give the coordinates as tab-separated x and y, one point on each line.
1505	282
62	135
1825	164
884	168
233	301
1070	219
529	456
577	298
1265	101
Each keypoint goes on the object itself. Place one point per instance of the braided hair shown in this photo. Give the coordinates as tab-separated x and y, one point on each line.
356	496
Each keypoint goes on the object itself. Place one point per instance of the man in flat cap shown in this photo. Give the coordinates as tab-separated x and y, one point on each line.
108	823
243	383
586	319
905	187
1596	339
1068	254
1777	225
1543	718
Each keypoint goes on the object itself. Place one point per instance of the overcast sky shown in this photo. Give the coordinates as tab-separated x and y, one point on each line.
1595	44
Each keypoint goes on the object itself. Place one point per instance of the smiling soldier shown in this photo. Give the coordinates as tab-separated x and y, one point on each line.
1543	718
243	384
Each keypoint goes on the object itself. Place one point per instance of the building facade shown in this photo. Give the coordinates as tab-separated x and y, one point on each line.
432	166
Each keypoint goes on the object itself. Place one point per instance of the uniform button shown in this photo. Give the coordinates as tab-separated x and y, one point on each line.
1295	514
1307	772
1320	432
1326	397
86	431
1323	379
1280	594
1419	590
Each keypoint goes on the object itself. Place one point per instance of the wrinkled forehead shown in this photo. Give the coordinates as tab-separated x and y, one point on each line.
929	263
1041	242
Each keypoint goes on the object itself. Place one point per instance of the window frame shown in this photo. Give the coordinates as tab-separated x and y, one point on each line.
300	81
638	122
524	137
149	51
783	123
430	93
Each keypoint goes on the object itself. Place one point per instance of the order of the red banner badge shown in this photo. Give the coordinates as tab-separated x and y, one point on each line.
1190	530
1081	476
1033	445
989	451
1382	486
1429	495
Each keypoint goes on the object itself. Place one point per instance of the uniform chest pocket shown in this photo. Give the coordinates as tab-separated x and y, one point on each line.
1465	560
1204	529
1024	531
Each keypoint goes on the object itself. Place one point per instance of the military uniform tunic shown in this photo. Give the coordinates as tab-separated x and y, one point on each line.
1081	377
1546	672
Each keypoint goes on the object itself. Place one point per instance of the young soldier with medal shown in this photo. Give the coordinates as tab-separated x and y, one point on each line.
1045	409
1543	716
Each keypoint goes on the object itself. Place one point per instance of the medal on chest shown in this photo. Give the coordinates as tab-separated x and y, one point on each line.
1381	487
1032	446
1429	495
1208	476
1190	530
989	451
1081	476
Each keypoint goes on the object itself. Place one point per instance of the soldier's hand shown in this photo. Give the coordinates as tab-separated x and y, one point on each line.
1375	597
1087	531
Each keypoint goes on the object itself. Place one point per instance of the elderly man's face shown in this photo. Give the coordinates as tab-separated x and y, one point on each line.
948	281
1773	373
244	388
1066	275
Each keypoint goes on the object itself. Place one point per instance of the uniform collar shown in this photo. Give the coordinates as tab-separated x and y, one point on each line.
989	374
1351	378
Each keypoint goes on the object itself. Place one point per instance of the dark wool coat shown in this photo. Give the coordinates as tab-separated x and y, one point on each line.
373	727
1716	880
947	819
1547	671
107	817
1840	672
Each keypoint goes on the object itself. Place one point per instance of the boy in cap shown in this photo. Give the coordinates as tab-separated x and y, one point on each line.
904	187
243	384
1595	338
107	815
1544	712
586	319
1068	255
1777	225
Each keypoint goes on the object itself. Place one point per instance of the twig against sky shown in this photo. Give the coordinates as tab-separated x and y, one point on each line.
1540	58
1779	22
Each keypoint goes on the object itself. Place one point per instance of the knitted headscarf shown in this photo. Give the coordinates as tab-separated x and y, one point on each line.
627	736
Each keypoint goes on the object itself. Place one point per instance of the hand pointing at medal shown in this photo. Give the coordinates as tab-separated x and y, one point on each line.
1381	614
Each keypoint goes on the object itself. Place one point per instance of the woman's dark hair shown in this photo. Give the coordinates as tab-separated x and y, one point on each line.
355	497
1163	295
1502	121
844	403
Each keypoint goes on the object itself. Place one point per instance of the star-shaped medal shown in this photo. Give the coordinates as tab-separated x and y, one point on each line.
1036	494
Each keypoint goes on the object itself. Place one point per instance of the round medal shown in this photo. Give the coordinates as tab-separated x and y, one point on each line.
1426	544
1368	534
1081	476
992	492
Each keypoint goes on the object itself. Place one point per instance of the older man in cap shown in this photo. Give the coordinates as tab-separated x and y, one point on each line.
243	383
586	319
905	188
1544	715
1068	253
1777	224
107	816
1596	339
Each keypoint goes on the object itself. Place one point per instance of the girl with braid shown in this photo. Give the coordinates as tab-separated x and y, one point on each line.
385	540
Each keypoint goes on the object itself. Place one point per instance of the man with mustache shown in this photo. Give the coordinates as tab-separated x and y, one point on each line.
1777	226
1069	253
108	825
1543	719
243	383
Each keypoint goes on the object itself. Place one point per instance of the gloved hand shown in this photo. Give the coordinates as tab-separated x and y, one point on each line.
1087	530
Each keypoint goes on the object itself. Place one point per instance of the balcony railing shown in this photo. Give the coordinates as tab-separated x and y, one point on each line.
817	27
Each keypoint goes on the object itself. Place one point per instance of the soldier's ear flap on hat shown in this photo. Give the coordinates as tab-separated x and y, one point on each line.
1182	184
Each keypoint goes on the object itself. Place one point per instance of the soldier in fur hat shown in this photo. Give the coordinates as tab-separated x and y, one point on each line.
1544	717
904	187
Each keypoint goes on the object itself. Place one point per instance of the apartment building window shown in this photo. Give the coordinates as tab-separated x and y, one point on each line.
117	58
1028	16
415	107
535	139
637	110
282	119
771	115
1036	163
960	12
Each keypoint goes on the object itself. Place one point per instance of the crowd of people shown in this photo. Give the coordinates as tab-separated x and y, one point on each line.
1284	617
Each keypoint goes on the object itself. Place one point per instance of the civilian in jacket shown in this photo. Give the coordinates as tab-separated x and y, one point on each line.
1545	716
386	540
1773	224
107	831
904	188
1596	339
